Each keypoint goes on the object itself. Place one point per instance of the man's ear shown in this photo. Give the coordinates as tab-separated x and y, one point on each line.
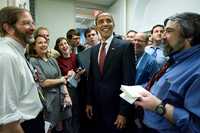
8	28
189	40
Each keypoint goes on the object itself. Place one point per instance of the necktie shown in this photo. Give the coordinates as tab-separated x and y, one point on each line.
158	75
154	54
102	57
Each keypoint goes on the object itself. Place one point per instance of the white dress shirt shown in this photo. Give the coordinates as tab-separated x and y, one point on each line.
108	42
19	98
159	56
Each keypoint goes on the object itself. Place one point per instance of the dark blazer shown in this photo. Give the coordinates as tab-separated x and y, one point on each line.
103	91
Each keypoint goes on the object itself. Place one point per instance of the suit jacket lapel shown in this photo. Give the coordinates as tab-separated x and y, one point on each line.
96	58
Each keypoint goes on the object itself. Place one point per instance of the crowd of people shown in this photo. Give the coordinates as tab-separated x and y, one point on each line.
75	88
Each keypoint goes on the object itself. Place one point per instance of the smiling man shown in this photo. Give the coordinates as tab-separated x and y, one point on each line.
111	65
173	105
19	98
146	64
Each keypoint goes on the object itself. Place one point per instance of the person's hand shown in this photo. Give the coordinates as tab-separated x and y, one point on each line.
148	101
67	100
79	73
63	80
70	73
89	111
120	121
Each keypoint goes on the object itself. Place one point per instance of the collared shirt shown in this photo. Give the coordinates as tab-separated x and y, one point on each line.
157	52
108	42
145	68
19	98
179	86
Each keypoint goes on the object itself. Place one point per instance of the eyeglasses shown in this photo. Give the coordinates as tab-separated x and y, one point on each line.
140	41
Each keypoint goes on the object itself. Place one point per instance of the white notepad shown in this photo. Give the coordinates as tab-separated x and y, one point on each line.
131	93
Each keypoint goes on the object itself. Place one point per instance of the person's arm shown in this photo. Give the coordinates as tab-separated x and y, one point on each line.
52	82
13	127
67	98
90	87
150	102
185	117
10	89
128	68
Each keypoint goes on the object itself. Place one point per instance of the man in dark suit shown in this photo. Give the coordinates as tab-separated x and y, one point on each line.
111	65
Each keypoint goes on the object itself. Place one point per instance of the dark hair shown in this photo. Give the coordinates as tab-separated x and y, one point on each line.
9	15
31	49
88	30
190	25
56	47
103	13
155	26
131	31
71	33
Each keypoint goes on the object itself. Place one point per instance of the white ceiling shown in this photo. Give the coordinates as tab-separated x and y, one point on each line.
86	8
98	2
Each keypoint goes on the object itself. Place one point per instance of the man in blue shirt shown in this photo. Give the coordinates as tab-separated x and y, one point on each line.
173	104
156	49
146	64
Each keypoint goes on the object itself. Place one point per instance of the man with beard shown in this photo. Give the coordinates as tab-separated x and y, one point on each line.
19	98
172	105
111	65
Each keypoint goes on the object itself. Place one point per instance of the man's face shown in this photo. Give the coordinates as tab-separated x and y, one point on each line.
44	33
105	25
157	34
92	38
24	28
75	41
130	36
173	41
139	42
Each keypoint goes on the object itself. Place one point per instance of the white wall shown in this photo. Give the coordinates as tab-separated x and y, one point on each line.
3	3
130	5
57	15
150	12
118	10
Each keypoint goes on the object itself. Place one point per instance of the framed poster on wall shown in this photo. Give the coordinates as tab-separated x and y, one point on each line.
19	3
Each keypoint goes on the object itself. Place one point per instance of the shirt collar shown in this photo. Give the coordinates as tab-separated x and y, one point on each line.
13	43
182	55
160	46
108	41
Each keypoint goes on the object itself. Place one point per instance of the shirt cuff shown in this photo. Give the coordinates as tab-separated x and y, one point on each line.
180	116
10	118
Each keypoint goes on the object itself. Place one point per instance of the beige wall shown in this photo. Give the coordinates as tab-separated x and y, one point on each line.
57	15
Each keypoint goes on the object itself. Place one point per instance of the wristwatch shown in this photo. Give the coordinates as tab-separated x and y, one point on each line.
160	109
